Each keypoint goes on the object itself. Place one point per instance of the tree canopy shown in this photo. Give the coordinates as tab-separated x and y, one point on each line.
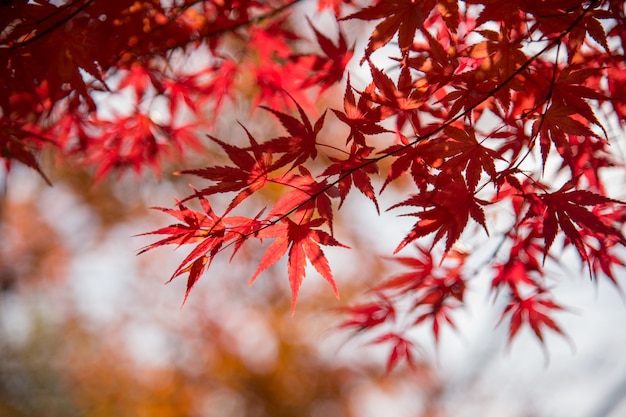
494	127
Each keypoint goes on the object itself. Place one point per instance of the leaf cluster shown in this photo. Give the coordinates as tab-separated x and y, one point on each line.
489	118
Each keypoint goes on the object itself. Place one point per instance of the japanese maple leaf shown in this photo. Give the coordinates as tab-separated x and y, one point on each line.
274	79
367	316
302	241
421	267
70	53
354	170
566	209
116	148
361	117
438	312
418	161
570	89
522	266
438	63
249	174
435	291
569	16
402	349
589	156
445	212
14	145
302	142
209	232
604	258
533	311
469	155
328	69
195	89
205	228
499	55
400	16
401	99
553	126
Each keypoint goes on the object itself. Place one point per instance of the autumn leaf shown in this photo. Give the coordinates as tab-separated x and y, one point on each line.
445	212
534	311
403	17
469	155
367	316
401	99
566	209
117	150
603	258
249	174
553	127
433	291
523	266
354	170
328	69
570	90
301	145
420	161
421	268
206	229
401	349
302	241
361	117
13	146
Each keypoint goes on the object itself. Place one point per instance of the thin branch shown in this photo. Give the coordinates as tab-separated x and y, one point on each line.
54	27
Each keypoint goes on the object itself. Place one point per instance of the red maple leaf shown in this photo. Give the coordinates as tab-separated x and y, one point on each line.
14	145
402	349
566	209
401	99
421	267
534	311
419	160
434	291
209	232
335	5
205	227
250	173
362	118
328	69
303	242
367	316
554	125
523	266
302	142
115	148
400	16
445	211
354	170
469	155
306	195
